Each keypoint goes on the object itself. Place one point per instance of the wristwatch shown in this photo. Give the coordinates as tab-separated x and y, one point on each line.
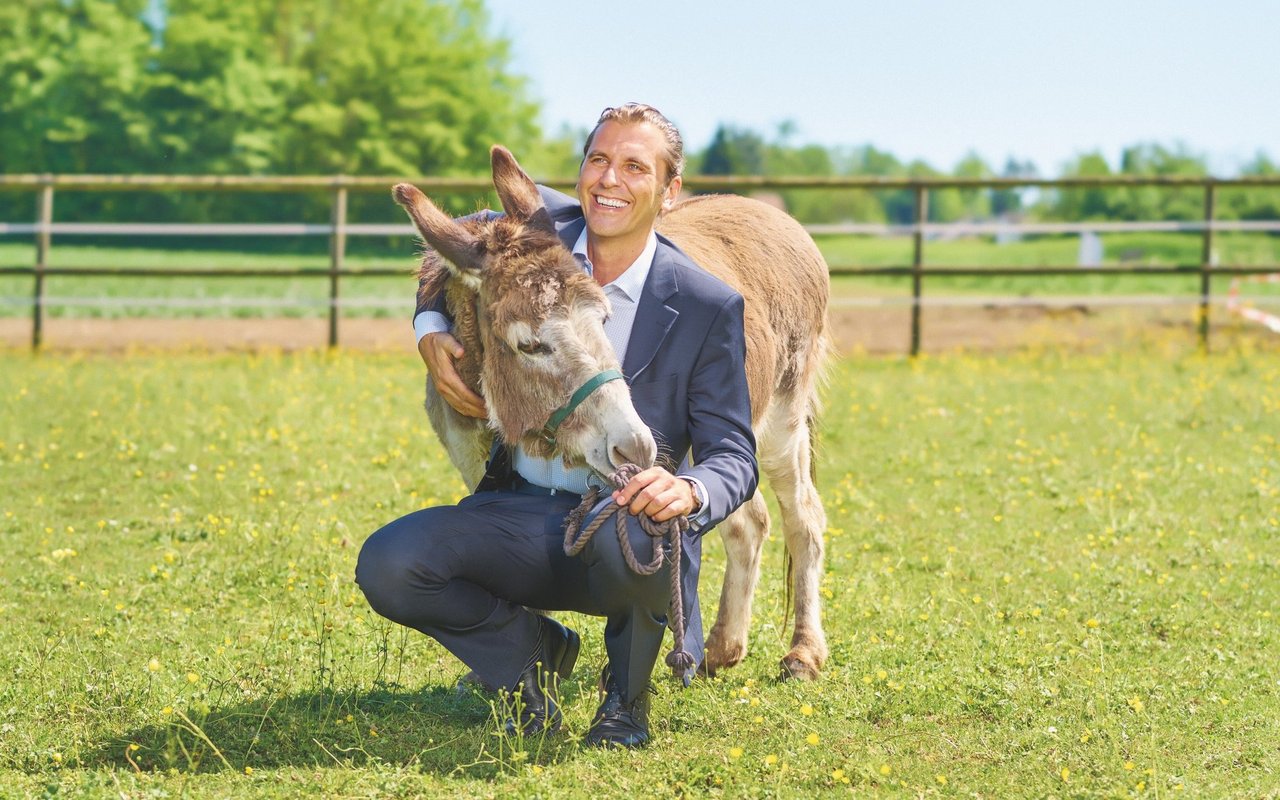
697	498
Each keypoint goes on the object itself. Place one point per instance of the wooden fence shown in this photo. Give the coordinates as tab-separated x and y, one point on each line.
338	229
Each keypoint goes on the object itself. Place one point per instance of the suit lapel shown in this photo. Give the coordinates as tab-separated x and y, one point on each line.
570	231
654	317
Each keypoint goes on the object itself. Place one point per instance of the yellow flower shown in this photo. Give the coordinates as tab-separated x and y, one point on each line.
812	738
771	759
837	774
248	770
885	769
735	752
941	779
1066	774
153	665
192	677
1136	704
1092	623
807	710
1129	765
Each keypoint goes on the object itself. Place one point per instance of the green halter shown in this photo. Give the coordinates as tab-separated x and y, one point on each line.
548	432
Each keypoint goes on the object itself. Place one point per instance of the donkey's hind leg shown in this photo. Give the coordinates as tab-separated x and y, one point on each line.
744	532
785	456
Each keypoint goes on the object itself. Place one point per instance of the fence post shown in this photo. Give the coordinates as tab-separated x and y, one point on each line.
917	264
44	219
337	254
1206	264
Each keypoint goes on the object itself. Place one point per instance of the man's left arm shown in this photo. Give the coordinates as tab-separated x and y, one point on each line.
723	446
721	440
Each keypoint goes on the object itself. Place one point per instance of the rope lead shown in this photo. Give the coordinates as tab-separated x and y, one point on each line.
576	538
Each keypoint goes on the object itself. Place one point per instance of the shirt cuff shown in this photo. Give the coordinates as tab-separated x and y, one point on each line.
697	521
429	322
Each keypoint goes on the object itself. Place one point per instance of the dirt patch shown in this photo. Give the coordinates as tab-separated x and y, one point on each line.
879	330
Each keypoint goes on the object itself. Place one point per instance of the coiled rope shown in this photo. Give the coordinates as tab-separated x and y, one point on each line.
672	531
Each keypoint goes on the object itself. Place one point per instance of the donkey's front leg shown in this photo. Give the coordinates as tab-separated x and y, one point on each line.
744	533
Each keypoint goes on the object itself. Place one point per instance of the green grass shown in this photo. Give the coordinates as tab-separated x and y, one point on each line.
310	294
1048	574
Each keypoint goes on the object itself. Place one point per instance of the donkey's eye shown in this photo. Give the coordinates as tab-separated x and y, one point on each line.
534	348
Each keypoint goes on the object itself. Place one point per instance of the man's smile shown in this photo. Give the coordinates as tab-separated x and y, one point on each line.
610	202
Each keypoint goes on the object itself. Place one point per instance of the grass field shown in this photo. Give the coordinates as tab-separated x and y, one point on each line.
1049	575
393	296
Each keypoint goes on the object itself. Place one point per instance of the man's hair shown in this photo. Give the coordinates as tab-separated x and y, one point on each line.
634	113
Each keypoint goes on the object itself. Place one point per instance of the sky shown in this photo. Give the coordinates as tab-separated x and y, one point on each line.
1033	80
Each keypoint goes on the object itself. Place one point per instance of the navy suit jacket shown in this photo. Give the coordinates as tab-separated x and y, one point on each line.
685	365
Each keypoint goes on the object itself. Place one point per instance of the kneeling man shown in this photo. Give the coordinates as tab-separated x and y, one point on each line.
467	574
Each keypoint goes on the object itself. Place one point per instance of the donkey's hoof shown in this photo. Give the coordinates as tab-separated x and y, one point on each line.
720	657
797	667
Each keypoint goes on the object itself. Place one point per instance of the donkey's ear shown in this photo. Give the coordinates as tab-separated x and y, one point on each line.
460	247
517	191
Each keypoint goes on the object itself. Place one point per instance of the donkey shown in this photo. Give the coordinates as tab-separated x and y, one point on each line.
510	284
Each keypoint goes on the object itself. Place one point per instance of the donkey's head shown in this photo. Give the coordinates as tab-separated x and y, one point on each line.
548	374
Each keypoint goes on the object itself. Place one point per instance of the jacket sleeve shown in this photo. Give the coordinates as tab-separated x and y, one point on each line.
722	443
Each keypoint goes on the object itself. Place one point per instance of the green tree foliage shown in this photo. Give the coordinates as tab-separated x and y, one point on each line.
1136	202
734	151
1010	201
1154	202
1254	202
898	205
973	203
385	87
1085	203
70	76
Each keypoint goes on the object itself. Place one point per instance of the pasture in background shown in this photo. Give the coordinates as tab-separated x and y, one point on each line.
1048	574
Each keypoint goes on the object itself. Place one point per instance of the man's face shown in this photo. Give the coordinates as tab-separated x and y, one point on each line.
622	182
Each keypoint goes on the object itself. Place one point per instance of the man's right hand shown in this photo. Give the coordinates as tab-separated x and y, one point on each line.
439	351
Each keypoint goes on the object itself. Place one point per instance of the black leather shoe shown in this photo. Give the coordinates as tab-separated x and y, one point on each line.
534	705
618	723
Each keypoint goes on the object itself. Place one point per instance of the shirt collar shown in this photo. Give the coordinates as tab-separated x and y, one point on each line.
631	281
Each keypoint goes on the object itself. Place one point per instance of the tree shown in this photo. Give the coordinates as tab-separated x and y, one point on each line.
1158	202
387	87
69	73
734	151
1009	201
973	203
898	204
1089	203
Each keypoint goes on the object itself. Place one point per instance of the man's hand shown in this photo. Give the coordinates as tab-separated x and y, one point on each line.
658	494
439	351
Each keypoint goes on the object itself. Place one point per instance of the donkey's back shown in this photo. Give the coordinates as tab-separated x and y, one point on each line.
773	263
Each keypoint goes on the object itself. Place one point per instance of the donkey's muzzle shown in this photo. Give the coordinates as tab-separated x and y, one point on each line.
633	448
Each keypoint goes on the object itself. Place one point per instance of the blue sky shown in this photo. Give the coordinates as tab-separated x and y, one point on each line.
1034	80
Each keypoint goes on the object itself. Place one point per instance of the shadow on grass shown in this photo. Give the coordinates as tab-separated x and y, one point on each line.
436	729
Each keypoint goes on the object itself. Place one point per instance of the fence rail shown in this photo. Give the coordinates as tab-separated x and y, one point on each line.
338	230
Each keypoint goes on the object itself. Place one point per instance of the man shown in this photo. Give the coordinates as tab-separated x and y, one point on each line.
465	574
